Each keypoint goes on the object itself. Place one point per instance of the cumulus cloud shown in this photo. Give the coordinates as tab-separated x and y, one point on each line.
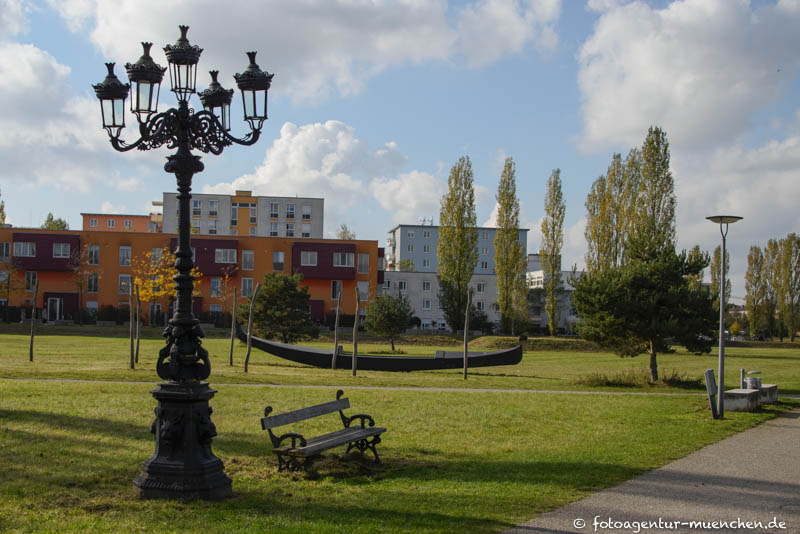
108	207
699	68
318	47
327	160
13	19
491	29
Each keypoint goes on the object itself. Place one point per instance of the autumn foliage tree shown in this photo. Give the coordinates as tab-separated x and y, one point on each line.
152	272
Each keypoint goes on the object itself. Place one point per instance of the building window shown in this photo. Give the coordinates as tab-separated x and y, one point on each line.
426	263
253	214
484	264
92	283
306	212
485	251
125	256
25	250
480	287
273	229
308	258
155	255
195	226
277	260
247	287
426	234
426	304
426	324
289	229
479	305
5	251
124	284
197	206
212	227
387	284
216	309
336	288
426	249
247	260
93	253
216	286
225	255
363	263
410	247
343	259
111	223
274	210
290	211
306	230
127	223
484	235
30	280
439	304
234	231
93	223
402	285
426	285
213	208
410	234
61	250
252	230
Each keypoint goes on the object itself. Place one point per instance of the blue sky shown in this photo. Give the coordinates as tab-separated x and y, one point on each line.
373	101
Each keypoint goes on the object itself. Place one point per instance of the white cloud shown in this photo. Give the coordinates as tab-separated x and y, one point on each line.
108	207
410	196
127	184
491	29
698	68
491	222
13	19
317	47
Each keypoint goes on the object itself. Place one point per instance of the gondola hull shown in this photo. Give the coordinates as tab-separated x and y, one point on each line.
371	362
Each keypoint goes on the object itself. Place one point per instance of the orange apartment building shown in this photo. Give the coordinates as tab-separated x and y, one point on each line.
107	222
28	255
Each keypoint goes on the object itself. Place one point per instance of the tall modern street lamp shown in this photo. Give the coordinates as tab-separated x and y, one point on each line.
183	465
722	220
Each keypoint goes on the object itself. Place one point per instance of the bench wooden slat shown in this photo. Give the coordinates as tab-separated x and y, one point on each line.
304	413
331	440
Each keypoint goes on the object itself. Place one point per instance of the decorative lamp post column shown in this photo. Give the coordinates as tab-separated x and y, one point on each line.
722	220
183	465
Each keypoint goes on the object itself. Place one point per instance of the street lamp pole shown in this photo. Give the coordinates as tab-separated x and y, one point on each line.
183	465
722	220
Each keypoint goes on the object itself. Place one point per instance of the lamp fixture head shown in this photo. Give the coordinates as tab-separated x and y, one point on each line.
182	58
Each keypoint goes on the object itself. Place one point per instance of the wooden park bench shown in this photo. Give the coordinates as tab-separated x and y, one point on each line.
301	452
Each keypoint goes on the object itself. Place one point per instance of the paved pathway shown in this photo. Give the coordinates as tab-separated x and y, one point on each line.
752	476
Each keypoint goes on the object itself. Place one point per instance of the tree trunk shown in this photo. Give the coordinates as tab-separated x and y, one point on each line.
130	323
391	340
653	364
336	330
466	333
355	332
138	323
250	326
33	315
233	326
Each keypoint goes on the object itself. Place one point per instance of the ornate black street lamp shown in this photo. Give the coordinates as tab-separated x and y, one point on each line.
183	465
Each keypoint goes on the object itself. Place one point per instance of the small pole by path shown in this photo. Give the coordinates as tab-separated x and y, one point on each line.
33	314
250	326
355	332
466	332
233	325
336	330
138	322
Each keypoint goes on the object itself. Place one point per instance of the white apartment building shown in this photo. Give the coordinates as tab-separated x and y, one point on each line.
245	214
535	277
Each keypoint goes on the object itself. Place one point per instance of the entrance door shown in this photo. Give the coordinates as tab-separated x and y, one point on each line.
54	309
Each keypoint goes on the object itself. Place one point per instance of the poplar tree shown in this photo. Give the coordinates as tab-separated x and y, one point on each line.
652	227
457	251
716	265
509	260
552	243
773	285
790	269
755	286
2	210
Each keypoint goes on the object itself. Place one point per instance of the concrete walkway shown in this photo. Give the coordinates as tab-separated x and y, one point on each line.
752	476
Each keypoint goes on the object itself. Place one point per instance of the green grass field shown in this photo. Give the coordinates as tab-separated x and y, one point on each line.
454	461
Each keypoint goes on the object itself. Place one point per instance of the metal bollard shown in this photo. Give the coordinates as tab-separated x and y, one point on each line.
711	387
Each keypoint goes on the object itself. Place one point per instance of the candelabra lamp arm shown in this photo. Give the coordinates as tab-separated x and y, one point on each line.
158	130
207	134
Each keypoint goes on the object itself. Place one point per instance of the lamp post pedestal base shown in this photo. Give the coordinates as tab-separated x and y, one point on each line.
183	466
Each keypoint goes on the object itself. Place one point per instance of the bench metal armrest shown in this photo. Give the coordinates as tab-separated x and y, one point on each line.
362	416
294	436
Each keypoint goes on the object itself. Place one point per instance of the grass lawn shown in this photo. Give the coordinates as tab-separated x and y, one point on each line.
63	353
453	461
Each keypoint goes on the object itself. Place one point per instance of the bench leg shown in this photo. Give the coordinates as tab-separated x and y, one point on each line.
292	463
365	444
